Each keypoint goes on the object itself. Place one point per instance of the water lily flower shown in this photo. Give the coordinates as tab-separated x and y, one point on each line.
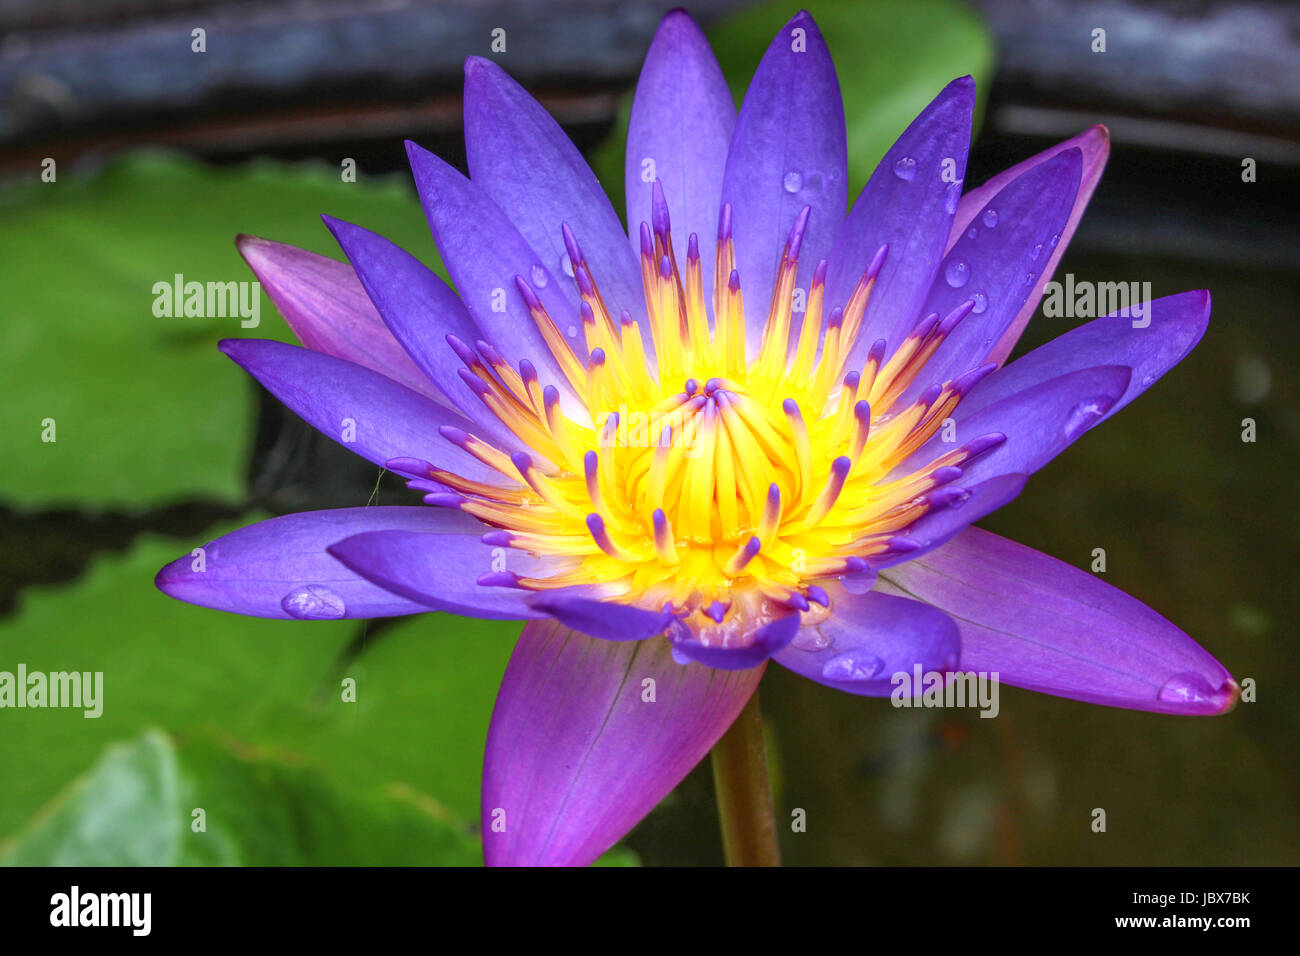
756	424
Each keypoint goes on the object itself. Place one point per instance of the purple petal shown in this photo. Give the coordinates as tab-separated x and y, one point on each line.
1165	332
1044	625
326	307
521	158
360	409
908	204
1094	144
483	252
742	652
605	619
682	119
280	567
1039	423
421	311
790	133
588	736
441	570
997	268
868	638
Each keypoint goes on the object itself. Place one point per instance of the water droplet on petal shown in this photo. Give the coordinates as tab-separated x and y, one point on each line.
1147	380
813	185
959	500
810	639
990	218
1030	277
905	169
793	181
566	265
1037	251
852	666
957	272
539	277
1053	241
1185	689
981	302
573	330
1084	416
313	602
970	233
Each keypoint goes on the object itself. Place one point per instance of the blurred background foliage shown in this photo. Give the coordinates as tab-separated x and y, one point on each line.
162	444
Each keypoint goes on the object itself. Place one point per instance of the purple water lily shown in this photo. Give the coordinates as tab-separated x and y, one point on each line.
756	424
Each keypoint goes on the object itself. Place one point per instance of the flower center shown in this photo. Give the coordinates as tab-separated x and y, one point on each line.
706	478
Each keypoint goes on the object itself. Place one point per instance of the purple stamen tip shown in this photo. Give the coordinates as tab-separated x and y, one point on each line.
571	245
691	387
930	395
550	395
836	319
877	350
497	539
798	601
444	499
584	310
647	241
665	267
416	467
925	326
692	248
984	442
476	384
521	461
947	473
724	223
862	411
752	547
797	231
659	209
955	316
457	436
463	351
717	610
530	297
852	379
660	521
841	465
877	262
964	383
590	461
596	525
527	371
854	564
902	544
625	318
733	281
818	595
773	495
499	579
790	407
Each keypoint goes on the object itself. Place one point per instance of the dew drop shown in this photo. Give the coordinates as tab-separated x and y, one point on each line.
793	181
811	639
813	186
539	277
957	272
990	218
1084	416
1037	251
1147	380
1054	240
573	331
852	666
905	169
959	500
1030	277
970	233
981	302
566	265
1185	689
313	602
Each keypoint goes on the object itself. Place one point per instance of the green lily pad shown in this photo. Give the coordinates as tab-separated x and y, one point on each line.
143	407
150	802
